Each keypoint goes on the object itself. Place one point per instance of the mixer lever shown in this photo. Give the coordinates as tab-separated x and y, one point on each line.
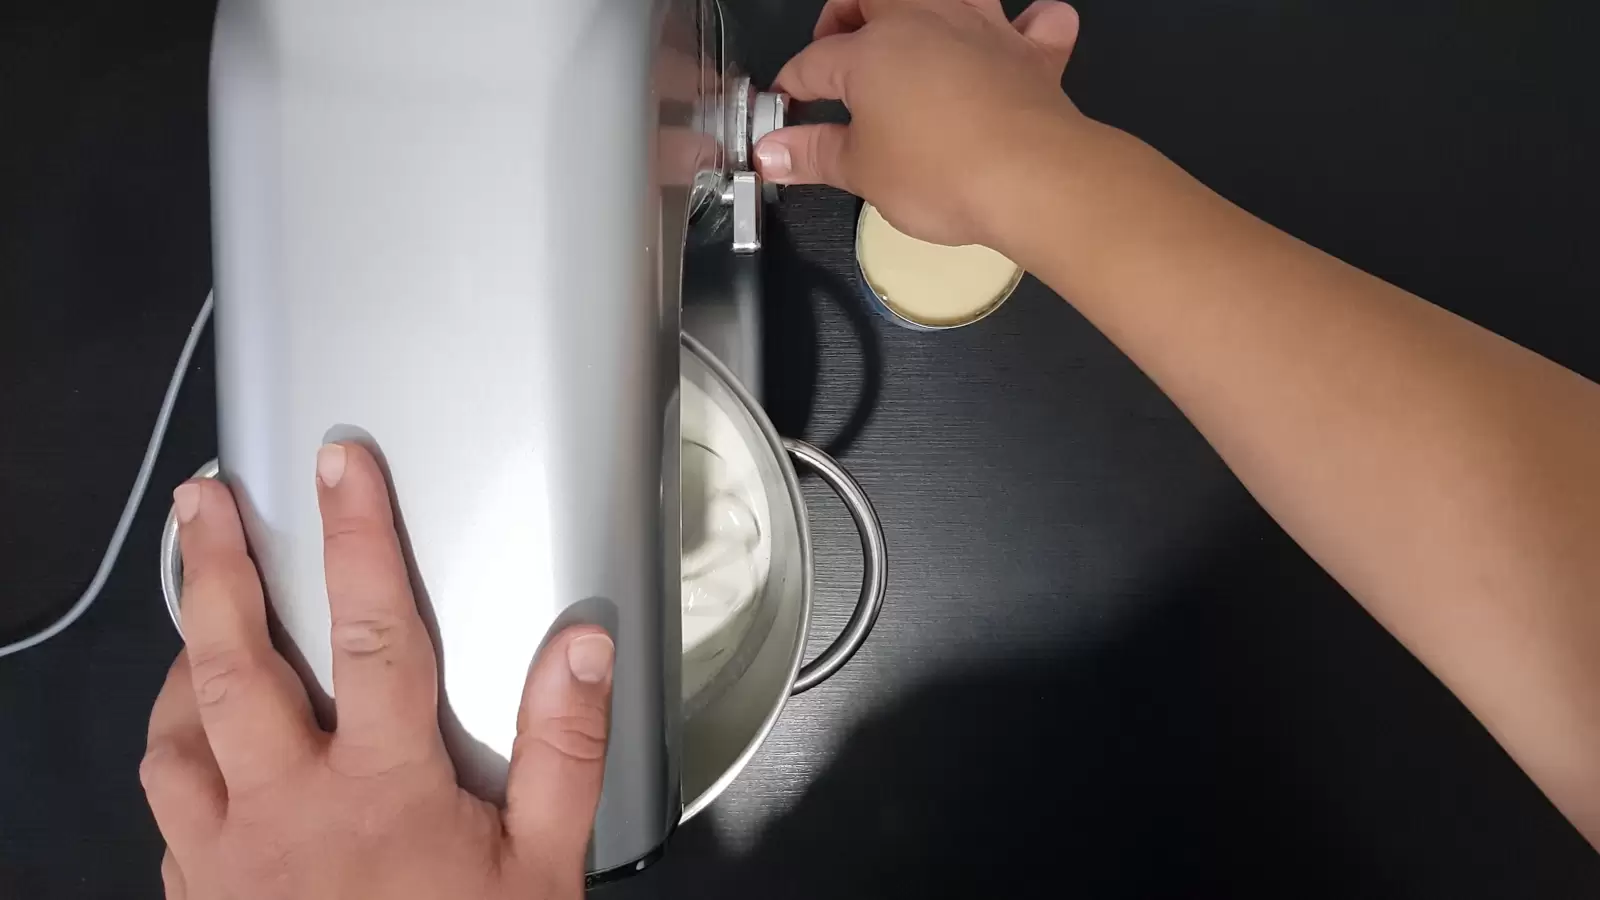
752	116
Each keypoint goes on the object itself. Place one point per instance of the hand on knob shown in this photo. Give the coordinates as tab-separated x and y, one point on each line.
946	97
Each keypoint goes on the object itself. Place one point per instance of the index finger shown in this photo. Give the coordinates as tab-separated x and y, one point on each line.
820	71
255	711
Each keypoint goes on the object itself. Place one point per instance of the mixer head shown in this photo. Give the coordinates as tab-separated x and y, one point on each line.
455	233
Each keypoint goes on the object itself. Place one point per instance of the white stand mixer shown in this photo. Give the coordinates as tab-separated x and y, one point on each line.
456	232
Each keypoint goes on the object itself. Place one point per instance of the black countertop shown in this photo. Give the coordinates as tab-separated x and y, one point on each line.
1102	670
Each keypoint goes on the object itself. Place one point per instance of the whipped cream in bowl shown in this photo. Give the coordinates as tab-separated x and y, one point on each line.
727	540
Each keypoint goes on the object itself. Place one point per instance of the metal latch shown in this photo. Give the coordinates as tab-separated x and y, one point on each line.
753	115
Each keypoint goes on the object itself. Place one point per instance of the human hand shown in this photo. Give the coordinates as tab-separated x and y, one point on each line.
947	99
256	802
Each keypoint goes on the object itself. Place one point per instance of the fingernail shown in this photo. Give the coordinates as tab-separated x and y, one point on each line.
186	502
589	657
330	464
774	156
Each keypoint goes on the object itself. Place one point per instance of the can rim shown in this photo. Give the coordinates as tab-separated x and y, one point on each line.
902	319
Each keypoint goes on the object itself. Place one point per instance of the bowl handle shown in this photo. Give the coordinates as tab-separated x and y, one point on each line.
874	569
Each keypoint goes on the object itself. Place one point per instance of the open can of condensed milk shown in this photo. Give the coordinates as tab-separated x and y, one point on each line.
924	286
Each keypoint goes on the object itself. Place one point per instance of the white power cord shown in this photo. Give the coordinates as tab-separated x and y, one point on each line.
135	497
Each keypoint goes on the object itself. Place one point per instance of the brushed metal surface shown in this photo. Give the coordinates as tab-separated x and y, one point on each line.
443	230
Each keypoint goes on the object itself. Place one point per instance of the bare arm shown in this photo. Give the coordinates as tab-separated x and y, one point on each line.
1448	478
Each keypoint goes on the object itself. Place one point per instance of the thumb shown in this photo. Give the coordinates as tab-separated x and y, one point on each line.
560	756
805	154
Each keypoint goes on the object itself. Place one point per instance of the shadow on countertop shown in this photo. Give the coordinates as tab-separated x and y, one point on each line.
794	289
1174	759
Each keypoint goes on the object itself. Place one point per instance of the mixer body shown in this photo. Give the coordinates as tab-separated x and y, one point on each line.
455	232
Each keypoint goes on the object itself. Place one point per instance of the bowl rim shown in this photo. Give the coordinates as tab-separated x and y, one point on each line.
791	482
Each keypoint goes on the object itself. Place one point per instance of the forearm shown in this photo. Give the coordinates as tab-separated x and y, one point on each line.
1444	475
